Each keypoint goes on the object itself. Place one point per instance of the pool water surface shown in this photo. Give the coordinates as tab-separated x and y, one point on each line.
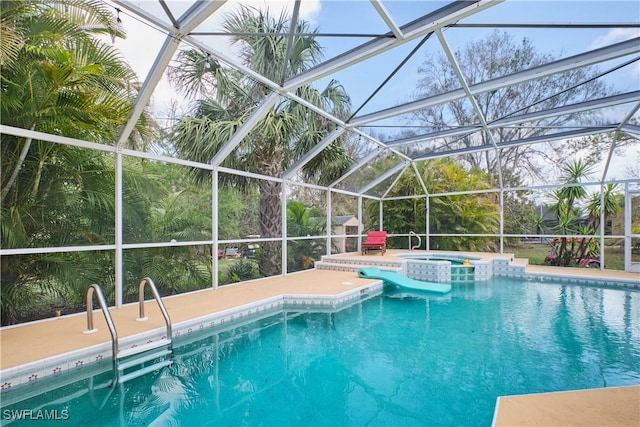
395	359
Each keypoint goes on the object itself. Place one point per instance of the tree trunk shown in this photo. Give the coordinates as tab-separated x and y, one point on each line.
17	167
563	255
269	261
270	226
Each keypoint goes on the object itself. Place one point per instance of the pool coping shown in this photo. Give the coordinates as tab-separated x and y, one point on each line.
95	362
501	266
75	360
345	288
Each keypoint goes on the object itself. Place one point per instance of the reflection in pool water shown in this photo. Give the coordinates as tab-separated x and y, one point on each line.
396	359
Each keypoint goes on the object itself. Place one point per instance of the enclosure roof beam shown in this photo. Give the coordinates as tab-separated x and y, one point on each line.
419	177
608	101
290	38
395	181
462	130
631	129
442	17
367	158
167	10
363	161
381	178
614	51
549	25
379	143
145	15
57	139
604	102
515	143
197	14
472	100
193	17
386	17
629	116
146	91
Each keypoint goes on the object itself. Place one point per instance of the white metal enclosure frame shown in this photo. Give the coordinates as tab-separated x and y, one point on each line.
193	26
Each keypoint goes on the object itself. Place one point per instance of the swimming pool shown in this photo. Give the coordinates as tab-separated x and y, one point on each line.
395	359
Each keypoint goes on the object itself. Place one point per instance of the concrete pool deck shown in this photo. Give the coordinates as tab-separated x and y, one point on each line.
35	341
614	406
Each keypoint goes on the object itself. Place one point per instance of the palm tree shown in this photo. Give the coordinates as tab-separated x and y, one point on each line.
537	222
21	21
460	214
567	215
611	204
573	173
225	99
611	199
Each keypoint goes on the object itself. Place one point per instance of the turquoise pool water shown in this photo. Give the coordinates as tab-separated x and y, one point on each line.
395	359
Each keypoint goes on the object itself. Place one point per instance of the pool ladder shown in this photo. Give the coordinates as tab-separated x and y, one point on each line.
135	356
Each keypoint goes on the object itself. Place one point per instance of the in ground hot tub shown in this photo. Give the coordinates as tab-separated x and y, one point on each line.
440	267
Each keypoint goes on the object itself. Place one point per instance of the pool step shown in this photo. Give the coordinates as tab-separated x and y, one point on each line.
140	355
519	261
140	360
143	348
140	372
356	263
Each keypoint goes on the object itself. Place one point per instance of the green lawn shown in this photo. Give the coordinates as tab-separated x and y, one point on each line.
613	255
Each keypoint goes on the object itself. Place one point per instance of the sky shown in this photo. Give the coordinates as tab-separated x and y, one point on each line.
358	16
335	16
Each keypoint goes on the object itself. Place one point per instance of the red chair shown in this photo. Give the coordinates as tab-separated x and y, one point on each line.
375	240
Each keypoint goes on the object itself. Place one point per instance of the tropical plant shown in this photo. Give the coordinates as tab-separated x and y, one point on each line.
58	78
476	213
465	214
635	243
303	221
240	271
225	99
611	201
61	81
177	209
538	223
566	251
238	211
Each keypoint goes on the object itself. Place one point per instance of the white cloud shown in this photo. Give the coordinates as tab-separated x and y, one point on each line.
309	11
613	36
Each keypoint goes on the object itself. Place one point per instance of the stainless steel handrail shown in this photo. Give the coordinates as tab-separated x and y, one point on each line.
156	295
411	233
107	316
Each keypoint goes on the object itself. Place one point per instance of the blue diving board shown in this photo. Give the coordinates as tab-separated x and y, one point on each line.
403	281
